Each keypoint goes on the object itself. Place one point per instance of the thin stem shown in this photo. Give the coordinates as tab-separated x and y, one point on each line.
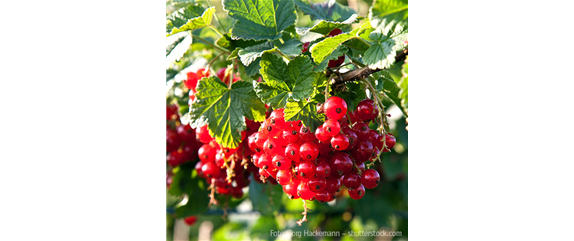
362	40
304	219
282	54
381	115
215	14
210	44
215	29
213	60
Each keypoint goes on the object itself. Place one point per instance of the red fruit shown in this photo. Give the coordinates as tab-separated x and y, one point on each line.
335	32
322	170
202	134
270	147
357	193
202	73
221	74
351	135
323	196
290	135
308	151
361	166
362	130
206	153
252	142
281	163
220	160
198	167
317	184
305	47
344	121
210	170
375	154
190	220
322	135
354	117
331	127
284	177
306	170
292	152
270	130
228	151
352	180
336	63
305	135
264	172
373	136
236	192
296	125
277	119
332	184
260	139
266	161
191	81
172	140
340	142
390	141
370	178
324	148
341	163
304	191
366	110
171	111
363	151
291	188
335	108
175	158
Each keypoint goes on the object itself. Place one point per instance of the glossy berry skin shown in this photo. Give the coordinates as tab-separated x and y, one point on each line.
340	142
221	74
341	163
321	134
255	158
190	220
175	158
322	169
317	184
335	32
206	153
172	140
252	142
277	119
373	136
354	117
309	151
260	139
281	163
390	141
266	161
292	152
366	110
291	188
322	196
352	180
306	170
171	111
305	135
361	166
362	130
269	130
351	135
270	147
284	177
202	135
198	167
370	178
290	135
331	127
210	170
186	133
305	47
332	184
337	62
304	191
363	151
357	193
335	108
191	81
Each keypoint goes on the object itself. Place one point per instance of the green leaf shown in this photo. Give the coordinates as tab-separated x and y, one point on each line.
323	49
354	94
173	45
388	10
224	109
189	18
339	51
326	26
328	10
260	19
253	68
186	181
283	82
228	43
380	55
250	54
404	84
265	198
391	89
306	111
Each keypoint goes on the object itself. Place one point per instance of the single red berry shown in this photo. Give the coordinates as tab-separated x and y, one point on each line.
292	152
331	127
255	158
202	134
317	184
306	170
284	177
191	81
220	160
362	130
260	140
335	32
335	108
305	135
291	188
270	147
340	142
373	136
221	74
266	161
322	196
357	193
201	73
290	135
309	151
190	220
322	170
361	166
391	140
304	191
281	163
172	140
210	170
370	178
332	184
341	163
337	62
321	134
175	158
352	180
252	142
198	167
186	133
270	130
363	151
171	112
351	135
305	47
277	119
206	153
366	110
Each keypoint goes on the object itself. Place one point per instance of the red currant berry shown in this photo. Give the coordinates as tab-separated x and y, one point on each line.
362	130
175	158
335	32
341	163
306	170
373	136
290	135
198	167
361	166
352	180
331	127
296	125
172	140
284	177
281	163
202	134
308	151
390	141
201	73
323	196
292	152
354	117
335	108
252	142
370	178
340	142
357	193
171	112
260	140
266	161
270	147
190	220
220	160
305	135
322	170
270	130
186	133
332	184
351	135
221	74
291	188
206	153
255	158
277	119
191	81
210	170
236	192
336	63
317	184
321	135
366	110
304	191
363	151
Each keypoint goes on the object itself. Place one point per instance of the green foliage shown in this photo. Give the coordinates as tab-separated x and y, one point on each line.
328	10
291	47
388	10
285	82
404	84
260	19
306	111
173	45
186	181
225	109
323	49
325	26
381	54
391	89
265	198
189	18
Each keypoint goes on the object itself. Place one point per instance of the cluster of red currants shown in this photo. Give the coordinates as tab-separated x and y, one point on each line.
315	165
